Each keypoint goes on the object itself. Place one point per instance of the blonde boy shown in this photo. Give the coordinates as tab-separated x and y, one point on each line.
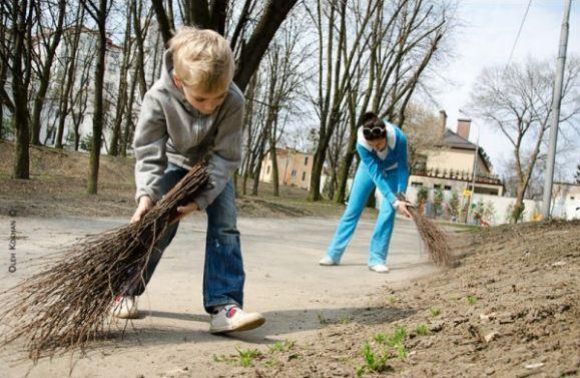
195	111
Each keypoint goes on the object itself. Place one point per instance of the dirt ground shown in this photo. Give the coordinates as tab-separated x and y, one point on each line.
509	308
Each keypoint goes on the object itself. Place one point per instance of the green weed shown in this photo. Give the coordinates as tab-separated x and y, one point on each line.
422	330
248	356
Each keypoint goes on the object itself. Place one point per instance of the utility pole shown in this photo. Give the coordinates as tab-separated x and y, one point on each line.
474	176
557	99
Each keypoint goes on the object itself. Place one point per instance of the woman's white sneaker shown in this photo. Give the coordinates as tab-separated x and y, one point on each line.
327	261
232	318
379	268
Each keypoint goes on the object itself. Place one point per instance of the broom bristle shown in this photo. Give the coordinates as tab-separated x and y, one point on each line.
67	305
434	238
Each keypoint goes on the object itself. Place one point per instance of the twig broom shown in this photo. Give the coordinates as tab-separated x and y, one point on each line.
67	305
433	236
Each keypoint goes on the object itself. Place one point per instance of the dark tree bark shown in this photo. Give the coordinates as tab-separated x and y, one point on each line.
122	97
49	44
21	63
200	14
70	69
99	14
129	127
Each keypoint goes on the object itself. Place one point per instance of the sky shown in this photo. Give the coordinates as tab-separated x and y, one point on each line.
486	37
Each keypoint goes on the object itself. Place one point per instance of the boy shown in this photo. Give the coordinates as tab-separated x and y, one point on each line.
382	148
195	110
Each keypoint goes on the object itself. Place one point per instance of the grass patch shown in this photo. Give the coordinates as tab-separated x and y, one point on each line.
422	330
247	356
434	311
471	299
374	362
280	347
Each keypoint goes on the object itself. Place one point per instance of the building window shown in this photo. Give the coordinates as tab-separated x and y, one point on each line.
267	169
415	183
447	187
306	160
572	198
437	186
293	173
304	175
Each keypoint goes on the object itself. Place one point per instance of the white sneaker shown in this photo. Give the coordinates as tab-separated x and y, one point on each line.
231	318
327	261
125	307
379	268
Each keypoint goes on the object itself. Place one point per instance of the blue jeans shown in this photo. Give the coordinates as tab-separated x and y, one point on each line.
223	276
361	189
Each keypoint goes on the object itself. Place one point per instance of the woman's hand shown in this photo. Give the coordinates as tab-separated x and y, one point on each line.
145	204
401	207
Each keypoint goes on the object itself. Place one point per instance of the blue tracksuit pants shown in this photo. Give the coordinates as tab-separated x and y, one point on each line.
361	189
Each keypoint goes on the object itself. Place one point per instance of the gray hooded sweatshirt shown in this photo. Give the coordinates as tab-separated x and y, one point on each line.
170	129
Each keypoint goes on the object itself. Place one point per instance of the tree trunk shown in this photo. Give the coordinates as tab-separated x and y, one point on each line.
258	167
21	72
253	51
95	152
140	49
44	78
122	98
70	79
275	175
127	134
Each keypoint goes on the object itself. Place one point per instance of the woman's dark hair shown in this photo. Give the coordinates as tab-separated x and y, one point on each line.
373	127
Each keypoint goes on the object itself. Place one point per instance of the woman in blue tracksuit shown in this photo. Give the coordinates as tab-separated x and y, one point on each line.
382	148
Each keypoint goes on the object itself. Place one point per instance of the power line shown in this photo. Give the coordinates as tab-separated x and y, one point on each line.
519	32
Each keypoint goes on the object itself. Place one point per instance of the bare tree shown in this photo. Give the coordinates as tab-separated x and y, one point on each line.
140	26
99	13
516	100
129	128
424	132
284	82
405	37
250	132
48	38
5	46
71	40
122	91
79	97
22	18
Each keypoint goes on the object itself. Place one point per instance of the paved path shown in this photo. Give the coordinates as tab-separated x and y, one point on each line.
283	282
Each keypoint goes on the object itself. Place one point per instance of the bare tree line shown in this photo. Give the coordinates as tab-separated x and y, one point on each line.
327	64
517	101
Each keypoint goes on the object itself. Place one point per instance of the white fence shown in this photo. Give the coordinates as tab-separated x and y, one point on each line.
498	208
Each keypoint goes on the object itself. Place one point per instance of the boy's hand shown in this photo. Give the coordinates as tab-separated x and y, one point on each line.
401	207
145	204
185	210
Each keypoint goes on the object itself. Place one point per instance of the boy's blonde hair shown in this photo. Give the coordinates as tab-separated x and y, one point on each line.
202	59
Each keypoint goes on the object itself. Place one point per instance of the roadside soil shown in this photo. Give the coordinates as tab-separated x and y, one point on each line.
510	307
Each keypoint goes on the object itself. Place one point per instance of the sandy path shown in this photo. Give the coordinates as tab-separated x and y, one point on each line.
284	282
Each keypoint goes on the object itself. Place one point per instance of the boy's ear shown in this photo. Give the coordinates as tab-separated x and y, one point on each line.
177	82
